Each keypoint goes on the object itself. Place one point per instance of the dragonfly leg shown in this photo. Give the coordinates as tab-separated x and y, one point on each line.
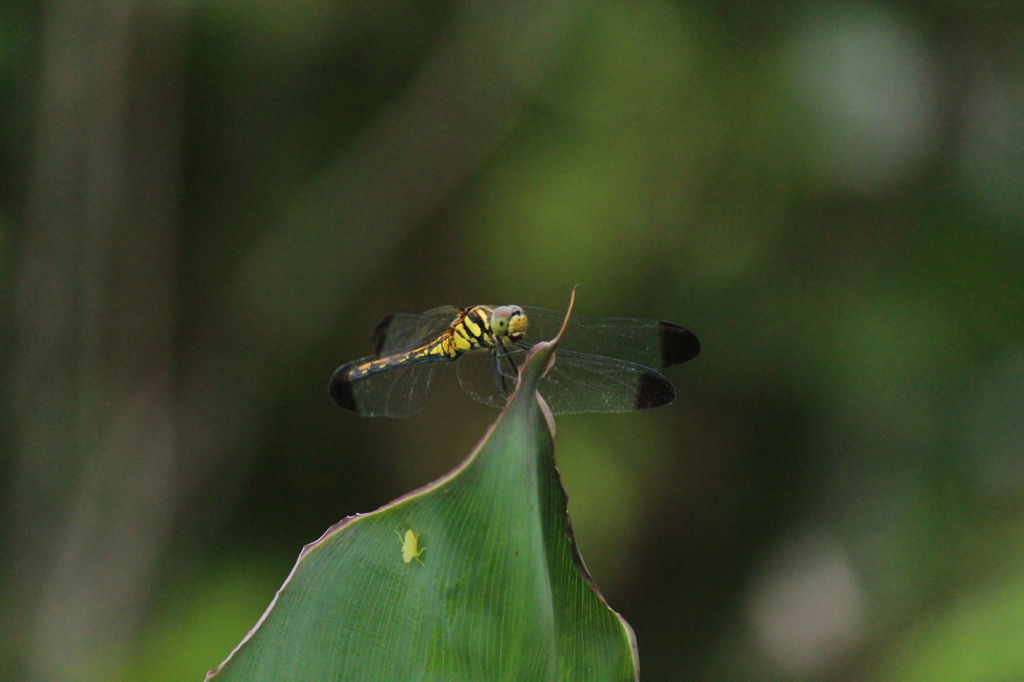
499	378
505	354
511	360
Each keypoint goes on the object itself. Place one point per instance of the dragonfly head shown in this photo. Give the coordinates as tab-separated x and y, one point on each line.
509	321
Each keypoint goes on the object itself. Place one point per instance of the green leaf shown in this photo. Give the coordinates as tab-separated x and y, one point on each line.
499	591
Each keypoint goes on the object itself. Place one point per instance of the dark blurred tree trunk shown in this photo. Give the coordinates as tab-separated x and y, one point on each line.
91	378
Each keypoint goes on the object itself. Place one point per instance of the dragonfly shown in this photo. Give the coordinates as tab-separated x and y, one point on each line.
603	364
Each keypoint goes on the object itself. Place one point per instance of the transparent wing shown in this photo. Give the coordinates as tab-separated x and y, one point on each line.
651	343
577	383
603	365
477	377
394	392
401	332
580	383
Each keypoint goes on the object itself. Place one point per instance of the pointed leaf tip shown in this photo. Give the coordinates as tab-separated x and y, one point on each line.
496	593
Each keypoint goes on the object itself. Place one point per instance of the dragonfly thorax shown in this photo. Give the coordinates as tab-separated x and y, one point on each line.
481	327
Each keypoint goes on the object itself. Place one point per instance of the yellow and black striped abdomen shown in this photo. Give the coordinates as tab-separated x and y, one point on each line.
471	330
342	386
441	350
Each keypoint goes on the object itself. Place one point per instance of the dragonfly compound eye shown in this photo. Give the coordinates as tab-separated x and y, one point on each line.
516	323
509	321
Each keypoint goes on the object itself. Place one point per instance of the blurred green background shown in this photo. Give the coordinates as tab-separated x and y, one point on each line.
205	206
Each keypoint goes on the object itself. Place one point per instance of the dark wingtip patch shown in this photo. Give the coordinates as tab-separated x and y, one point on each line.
340	389
654	391
678	344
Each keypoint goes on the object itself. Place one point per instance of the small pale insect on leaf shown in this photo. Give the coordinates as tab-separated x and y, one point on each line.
410	546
